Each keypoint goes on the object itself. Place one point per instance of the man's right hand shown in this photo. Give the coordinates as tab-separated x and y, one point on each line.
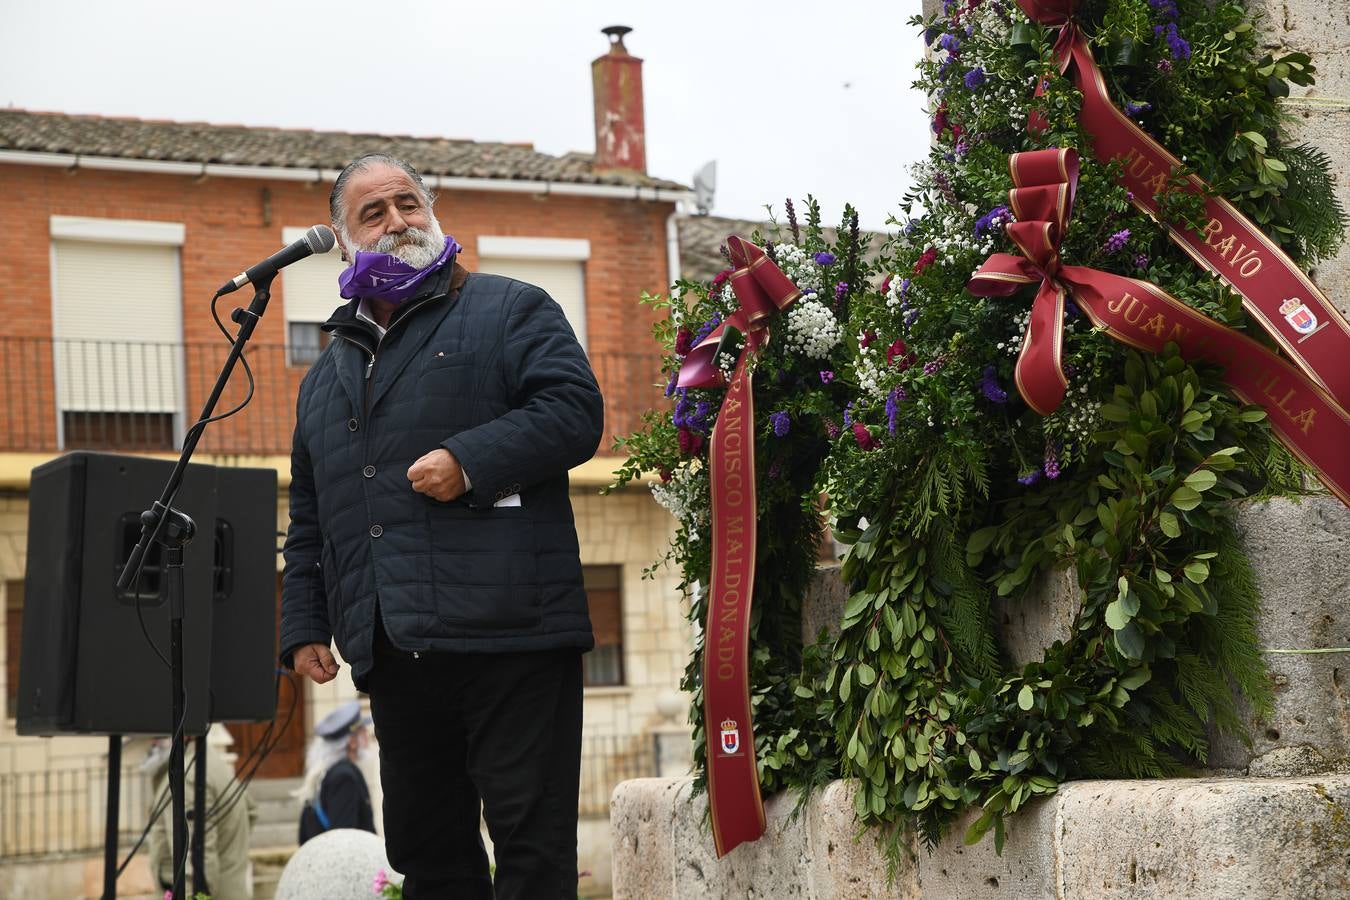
316	661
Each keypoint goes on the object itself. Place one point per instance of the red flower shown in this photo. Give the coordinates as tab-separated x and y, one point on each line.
899	351
721	276
940	121
864	437
665	475
926	260
691	442
684	341
867	339
886	285
957	131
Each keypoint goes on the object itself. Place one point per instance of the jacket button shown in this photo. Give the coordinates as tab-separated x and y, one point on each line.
376	530
368	471
352	424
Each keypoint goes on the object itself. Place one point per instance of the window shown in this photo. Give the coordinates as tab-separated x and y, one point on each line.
13	642
304	342
309	293
558	265
117	324
603	666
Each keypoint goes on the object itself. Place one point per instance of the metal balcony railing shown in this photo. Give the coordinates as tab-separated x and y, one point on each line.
58	395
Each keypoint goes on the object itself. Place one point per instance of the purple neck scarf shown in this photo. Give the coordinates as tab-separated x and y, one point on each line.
381	276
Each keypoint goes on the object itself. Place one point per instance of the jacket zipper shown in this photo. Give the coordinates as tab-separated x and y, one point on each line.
370	363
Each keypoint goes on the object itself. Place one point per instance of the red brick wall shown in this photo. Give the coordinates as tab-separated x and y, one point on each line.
227	230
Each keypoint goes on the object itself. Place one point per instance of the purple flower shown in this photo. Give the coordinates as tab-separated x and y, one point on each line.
831	429
1166	8
975	77
1029	477
990	387
1134	109
893	400
910	317
995	218
825	259
840	290
781	422
1141	261
774	470
1165	66
670	385
1051	467
1176	44
933	365
826	377
848	414
949	42
904	286
1116	241
706	329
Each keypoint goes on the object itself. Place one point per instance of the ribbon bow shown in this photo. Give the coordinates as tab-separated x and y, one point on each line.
1045	182
761	289
1276	293
737	810
1305	418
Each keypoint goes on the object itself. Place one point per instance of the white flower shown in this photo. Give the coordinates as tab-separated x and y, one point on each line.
812	329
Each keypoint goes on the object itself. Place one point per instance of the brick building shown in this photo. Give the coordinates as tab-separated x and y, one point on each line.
115	233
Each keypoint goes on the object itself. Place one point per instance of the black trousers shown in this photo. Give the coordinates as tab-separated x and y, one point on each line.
463	732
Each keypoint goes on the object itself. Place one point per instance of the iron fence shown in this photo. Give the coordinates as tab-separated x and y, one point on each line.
62	810
58	394
607	760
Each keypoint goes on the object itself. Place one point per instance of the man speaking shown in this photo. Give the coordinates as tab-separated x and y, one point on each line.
432	538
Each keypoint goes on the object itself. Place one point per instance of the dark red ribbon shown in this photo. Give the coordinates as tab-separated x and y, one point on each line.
1306	419
1275	292
733	776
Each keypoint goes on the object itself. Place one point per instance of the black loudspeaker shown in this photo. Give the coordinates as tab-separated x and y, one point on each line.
244	618
85	666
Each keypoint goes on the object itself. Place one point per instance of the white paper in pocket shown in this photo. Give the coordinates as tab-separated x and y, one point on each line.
513	500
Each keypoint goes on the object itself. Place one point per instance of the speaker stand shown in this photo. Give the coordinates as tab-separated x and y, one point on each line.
175	533
111	822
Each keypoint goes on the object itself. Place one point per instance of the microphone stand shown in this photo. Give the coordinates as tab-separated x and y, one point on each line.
172	530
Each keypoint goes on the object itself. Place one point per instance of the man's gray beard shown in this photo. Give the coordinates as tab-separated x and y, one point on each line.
418	247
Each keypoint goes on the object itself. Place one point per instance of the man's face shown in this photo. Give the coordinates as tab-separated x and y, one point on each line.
386	214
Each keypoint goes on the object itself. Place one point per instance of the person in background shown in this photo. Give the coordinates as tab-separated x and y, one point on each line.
334	790
229	825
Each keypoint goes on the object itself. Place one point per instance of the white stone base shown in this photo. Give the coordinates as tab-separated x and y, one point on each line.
1212	838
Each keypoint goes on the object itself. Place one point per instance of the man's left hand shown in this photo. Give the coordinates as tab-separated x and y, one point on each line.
438	475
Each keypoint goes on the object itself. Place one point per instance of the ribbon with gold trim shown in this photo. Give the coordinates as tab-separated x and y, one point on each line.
1275	292
1306	419
733	776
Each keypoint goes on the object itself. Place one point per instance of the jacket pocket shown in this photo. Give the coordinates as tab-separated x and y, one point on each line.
484	568
434	359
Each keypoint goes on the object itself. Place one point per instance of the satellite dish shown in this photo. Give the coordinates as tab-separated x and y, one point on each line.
705	185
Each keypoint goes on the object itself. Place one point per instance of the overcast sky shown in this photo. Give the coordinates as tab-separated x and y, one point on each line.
789	97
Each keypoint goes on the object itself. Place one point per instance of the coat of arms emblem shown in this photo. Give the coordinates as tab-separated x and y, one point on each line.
731	736
1299	317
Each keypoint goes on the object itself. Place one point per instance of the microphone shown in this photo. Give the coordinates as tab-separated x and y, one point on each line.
319	239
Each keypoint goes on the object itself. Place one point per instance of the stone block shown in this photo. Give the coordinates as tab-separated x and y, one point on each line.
1316	27
1026	868
1217	838
846	864
823	605
642	827
1028	625
338	865
1299	550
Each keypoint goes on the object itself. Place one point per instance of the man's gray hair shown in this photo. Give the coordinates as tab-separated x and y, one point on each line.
337	201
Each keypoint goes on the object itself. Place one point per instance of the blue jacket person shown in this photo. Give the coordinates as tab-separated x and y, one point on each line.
432	540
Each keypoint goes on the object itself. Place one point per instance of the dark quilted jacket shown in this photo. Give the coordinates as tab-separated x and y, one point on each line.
488	368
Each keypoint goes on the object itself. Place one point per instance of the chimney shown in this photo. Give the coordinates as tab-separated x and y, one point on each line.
620	134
